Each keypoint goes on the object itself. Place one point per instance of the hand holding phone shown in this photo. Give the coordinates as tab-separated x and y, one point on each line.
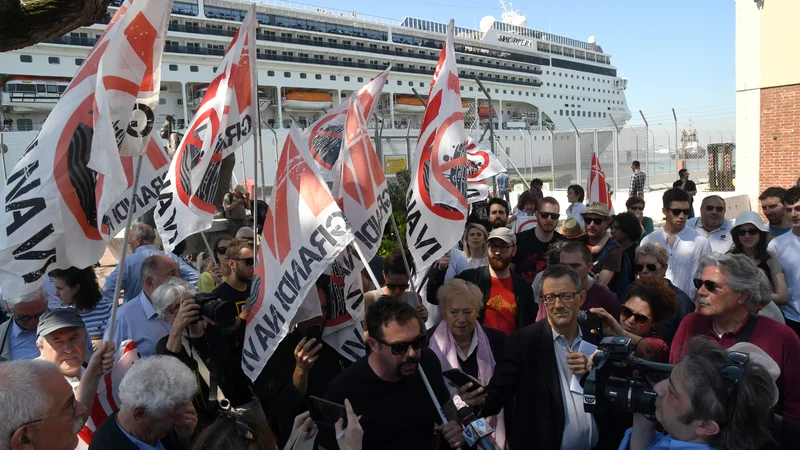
460	378
326	413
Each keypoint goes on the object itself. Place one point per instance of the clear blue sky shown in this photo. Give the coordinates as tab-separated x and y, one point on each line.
677	53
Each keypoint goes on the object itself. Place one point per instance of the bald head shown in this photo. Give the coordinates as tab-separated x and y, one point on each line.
156	269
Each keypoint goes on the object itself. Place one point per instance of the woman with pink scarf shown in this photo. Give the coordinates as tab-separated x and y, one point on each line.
461	343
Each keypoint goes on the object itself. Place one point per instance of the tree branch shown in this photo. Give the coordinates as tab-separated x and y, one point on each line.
24	23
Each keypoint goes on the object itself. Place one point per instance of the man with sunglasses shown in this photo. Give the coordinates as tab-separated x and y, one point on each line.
713	399
731	291
713	225
684	246
687	185
386	387
236	287
18	335
531	255
39	410
787	247
606	252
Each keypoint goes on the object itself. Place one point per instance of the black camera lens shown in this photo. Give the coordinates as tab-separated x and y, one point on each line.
222	313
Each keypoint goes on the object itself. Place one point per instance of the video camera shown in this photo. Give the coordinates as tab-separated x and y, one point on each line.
222	313
631	390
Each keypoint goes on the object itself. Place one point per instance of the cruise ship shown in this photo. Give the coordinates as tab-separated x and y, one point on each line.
312	57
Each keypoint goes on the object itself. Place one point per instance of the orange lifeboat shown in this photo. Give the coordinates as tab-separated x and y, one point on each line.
409	104
300	100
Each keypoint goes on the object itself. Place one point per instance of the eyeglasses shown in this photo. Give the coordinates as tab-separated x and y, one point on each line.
711	286
393	287
401	348
242	429
636	208
710	208
733	373
73	414
222	250
638	319
744	231
677	212
594	220
640	267
248	261
31	317
499	248
565	297
549	215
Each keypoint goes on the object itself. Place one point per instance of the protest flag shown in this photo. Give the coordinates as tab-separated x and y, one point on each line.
597	189
436	200
67	196
304	231
226	119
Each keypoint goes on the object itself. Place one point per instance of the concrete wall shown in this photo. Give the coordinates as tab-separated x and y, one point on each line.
780	35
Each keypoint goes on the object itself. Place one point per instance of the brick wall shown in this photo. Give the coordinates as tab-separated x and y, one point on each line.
780	136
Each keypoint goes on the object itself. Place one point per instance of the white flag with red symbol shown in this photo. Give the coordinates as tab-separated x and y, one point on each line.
107	400
437	203
64	199
597	189
226	119
483	164
363	195
304	232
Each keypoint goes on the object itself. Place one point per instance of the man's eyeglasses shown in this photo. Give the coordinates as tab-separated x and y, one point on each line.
248	261
565	297
594	220
394	287
711	286
29	318
549	215
73	413
222	250
678	212
719	209
499	248
401	348
638	319
640	267
751	231
734	373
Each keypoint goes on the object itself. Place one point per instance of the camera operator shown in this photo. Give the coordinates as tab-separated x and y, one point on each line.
236	205
714	399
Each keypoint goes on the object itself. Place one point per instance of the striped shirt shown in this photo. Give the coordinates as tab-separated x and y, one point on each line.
97	319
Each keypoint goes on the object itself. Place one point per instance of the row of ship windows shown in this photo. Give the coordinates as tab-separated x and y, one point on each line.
585	89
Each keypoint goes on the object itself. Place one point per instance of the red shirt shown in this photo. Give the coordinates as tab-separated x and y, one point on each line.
776	339
501	308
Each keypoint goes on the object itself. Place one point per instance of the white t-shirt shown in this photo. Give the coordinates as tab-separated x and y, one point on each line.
721	239
787	247
684	257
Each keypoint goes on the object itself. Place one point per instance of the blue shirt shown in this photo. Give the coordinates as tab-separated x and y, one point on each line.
23	343
137	321
775	232
132	283
141	445
661	442
502	181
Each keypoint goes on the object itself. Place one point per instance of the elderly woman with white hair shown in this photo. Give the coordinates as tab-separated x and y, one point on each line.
155	408
461	343
730	291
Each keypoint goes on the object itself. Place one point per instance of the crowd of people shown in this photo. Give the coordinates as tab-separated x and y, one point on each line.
506	323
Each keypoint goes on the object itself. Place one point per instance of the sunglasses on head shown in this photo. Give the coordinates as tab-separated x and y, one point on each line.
710	208
247	261
640	267
594	220
393	287
734	373
549	215
710	285
222	250
401	348
743	231
677	212
638	319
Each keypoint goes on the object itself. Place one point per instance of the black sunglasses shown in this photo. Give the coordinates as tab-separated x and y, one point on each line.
677	212
710	208
734	373
248	261
594	220
401	348
222	250
640	267
638	319
637	208
392	287
549	215
710	285
751	231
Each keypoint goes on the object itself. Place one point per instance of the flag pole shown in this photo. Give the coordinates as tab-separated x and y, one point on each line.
513	165
405	260
256	135
371	274
125	236
208	247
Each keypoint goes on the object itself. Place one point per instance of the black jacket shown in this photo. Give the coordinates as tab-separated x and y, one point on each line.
529	374
109	436
523	293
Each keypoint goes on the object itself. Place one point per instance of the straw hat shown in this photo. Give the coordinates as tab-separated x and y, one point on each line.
597	208
571	229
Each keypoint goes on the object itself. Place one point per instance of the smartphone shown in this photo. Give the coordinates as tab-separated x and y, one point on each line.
325	413
595	322
460	378
314	332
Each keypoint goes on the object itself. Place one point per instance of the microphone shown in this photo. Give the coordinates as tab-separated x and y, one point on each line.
476	430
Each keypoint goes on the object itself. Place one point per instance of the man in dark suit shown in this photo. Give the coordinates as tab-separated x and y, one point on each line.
540	361
155	408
